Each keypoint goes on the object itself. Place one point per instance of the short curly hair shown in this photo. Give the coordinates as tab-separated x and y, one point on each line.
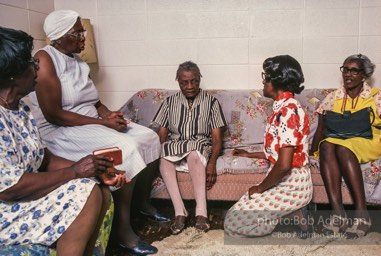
364	62
285	73
188	66
15	49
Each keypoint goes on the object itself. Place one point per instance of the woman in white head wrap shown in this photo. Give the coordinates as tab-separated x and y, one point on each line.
58	23
73	122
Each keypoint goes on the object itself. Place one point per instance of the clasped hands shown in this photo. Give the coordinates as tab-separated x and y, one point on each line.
116	121
101	167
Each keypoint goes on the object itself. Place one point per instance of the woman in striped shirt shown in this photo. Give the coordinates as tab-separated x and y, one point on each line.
191	123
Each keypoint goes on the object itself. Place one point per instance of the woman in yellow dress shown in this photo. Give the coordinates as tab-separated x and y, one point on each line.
341	158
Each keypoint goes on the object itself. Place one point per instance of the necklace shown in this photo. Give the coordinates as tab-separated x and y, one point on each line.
354	101
6	103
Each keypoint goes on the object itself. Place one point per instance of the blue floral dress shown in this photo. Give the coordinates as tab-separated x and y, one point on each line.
44	220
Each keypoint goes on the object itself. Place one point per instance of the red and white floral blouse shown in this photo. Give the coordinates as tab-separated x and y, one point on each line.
287	126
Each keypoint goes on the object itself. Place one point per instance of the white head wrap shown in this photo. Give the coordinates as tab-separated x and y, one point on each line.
59	22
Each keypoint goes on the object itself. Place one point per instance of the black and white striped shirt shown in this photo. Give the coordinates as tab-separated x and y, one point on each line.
190	128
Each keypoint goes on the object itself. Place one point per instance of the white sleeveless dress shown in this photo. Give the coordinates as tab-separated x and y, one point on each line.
140	145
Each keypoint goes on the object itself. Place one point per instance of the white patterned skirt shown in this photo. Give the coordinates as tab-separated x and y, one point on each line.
44	220
140	145
259	215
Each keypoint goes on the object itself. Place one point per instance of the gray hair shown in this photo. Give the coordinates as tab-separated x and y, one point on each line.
188	66
364	62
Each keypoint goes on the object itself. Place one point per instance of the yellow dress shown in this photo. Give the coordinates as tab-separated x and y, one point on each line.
365	149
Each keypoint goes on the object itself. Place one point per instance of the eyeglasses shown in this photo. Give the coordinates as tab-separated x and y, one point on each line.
79	35
266	77
353	71
35	62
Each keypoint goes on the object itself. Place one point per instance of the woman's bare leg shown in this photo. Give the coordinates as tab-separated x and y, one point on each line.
75	239
105	206
121	226
143	187
352	174
330	172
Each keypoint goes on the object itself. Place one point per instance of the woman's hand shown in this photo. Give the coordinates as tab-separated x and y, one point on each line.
116	121
254	190
240	152
113	177
211	175
115	114
91	166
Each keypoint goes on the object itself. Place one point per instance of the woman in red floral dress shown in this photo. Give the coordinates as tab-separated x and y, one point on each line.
287	187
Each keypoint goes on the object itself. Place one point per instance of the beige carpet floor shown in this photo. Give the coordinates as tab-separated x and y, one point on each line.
192	243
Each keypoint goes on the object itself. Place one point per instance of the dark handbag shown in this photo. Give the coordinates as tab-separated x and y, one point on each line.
349	125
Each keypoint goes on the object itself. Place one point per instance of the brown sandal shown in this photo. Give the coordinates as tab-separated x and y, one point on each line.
335	225
179	224
354	232
202	223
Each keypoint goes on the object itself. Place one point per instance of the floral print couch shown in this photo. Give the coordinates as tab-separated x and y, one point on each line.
246	112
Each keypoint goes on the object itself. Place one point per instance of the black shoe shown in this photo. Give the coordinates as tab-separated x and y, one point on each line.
157	216
304	234
142	248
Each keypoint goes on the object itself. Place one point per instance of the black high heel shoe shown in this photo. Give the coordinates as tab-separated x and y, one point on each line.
157	216
142	248
302	233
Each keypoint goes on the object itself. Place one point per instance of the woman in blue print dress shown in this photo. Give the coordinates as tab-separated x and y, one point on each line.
44	199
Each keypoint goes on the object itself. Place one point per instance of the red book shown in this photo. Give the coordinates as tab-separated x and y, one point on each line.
114	152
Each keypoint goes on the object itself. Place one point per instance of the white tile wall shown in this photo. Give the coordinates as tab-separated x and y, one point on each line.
171	52
122	27
277	23
370	21
23	4
122	53
173	25
331	22
26	15
86	8
36	21
276	4
223	24
115	7
42	6
232	76
328	50
223	51
141	42
162	77
328	4
367	3
371	47
262	48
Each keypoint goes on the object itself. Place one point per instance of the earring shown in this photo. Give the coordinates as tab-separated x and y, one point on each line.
363	79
